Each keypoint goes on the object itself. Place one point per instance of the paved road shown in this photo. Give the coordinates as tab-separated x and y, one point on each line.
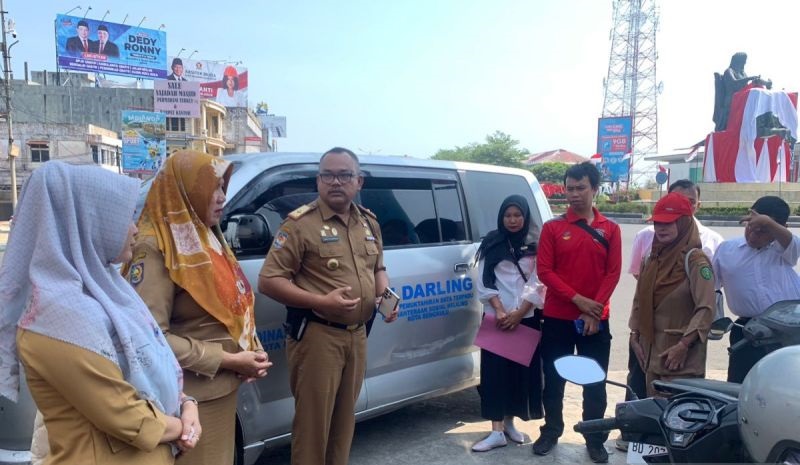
441	431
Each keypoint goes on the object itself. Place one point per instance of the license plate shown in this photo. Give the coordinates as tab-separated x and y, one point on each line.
637	451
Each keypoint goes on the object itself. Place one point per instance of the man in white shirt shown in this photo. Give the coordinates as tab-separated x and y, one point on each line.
642	244
755	271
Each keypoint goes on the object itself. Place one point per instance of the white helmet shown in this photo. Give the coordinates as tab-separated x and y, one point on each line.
769	406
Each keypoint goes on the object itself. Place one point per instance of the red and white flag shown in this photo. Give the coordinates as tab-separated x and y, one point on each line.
596	158
662	169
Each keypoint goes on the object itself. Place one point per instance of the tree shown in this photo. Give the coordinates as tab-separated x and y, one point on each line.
551	171
499	149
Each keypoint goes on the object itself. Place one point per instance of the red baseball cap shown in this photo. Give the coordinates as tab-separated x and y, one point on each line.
670	208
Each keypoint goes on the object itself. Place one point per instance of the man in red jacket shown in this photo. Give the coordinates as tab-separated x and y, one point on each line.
579	260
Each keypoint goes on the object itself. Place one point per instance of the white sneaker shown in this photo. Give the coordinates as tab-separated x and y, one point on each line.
512	432
494	440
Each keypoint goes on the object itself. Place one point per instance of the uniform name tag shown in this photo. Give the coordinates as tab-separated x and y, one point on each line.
326	239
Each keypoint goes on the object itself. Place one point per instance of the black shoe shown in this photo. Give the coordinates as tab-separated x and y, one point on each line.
597	453
544	444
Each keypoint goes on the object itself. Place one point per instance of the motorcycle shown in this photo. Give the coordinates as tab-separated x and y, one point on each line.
709	421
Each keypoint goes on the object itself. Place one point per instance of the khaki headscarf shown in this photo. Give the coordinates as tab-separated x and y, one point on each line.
664	271
173	213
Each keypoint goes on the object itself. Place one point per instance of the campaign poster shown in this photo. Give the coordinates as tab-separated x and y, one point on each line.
614	145
84	44
177	99
144	142
224	83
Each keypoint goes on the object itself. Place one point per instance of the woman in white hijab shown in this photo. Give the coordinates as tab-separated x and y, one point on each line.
96	363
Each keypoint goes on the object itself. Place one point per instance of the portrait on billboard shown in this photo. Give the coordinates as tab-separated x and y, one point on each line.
89	45
224	83
177	70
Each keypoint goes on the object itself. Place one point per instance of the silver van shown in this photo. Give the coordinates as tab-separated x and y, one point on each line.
432	216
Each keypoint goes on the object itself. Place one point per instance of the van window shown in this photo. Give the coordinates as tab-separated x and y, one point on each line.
415	211
486	192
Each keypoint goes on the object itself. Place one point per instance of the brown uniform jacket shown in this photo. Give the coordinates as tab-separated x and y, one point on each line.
93	416
197	338
690	307
319	253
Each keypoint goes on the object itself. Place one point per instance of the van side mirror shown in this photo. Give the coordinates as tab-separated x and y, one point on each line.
719	328
248	234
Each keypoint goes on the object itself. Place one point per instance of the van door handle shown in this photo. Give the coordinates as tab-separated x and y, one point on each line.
461	267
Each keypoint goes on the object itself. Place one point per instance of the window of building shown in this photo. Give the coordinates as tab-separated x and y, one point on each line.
176	124
95	155
40	153
215	126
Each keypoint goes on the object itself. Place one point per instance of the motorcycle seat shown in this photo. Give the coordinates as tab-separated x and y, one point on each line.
722	387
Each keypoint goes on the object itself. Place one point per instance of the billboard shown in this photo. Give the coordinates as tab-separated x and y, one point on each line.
224	83
178	99
614	145
84	44
144	145
275	124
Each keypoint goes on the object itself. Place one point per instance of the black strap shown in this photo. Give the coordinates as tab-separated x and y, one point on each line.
581	223
516	262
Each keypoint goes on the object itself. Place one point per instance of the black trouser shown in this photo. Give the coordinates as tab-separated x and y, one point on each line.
559	338
636	377
743	359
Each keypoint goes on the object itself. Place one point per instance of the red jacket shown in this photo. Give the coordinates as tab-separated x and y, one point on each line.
570	261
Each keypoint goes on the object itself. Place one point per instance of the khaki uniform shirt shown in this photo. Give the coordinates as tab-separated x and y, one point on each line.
319	252
197	338
688	308
94	416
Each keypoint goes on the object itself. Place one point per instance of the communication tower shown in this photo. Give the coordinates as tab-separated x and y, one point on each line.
631	87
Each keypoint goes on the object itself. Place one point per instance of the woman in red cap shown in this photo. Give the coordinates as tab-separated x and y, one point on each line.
674	302
228	94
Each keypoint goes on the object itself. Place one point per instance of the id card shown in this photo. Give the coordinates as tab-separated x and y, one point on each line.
389	302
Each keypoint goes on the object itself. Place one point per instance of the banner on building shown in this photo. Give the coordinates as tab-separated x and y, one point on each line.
275	124
144	145
177	99
224	83
84	44
614	146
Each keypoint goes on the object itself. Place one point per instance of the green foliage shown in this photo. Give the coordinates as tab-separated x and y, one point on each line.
623	207
722	211
499	149
551	171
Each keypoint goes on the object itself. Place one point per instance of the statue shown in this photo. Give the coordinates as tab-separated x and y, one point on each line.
731	81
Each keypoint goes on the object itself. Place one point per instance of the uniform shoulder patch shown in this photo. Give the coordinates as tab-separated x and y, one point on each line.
280	239
705	272
367	211
136	273
302	210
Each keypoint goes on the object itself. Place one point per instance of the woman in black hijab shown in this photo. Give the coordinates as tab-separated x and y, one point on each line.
509	289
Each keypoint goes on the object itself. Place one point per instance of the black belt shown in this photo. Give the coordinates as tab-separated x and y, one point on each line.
318	319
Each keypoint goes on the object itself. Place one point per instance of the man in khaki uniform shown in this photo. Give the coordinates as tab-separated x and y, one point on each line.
326	266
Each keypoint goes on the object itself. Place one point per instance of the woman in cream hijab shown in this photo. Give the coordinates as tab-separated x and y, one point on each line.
193	285
96	364
674	301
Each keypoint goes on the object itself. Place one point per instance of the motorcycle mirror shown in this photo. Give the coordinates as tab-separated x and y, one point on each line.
580	370
719	328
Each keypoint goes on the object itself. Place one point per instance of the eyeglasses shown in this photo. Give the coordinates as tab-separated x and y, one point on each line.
344	178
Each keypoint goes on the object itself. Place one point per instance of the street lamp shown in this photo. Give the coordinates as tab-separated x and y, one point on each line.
70	11
191	55
6	49
87	11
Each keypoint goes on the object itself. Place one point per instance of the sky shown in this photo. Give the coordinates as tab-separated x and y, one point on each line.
410	77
